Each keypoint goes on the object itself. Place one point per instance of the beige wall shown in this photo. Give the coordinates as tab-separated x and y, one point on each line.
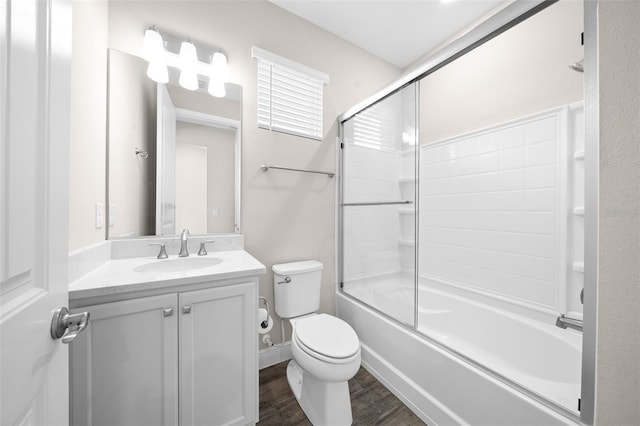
218	179
520	72
285	216
203	102
132	124
618	318
87	144
191	193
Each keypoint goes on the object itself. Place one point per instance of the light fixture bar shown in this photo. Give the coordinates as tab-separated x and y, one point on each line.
199	65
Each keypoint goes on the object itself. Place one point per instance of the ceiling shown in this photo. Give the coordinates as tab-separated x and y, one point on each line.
398	31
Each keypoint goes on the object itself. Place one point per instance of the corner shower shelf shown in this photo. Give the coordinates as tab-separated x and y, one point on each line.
578	155
578	266
578	211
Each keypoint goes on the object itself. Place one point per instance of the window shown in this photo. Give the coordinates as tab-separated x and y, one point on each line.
289	95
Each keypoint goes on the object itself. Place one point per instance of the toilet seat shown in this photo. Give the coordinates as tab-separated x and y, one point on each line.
327	338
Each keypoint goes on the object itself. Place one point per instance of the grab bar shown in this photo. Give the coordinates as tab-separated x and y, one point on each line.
264	168
377	203
564	322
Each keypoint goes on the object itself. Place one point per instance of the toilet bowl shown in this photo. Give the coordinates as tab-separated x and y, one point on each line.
325	350
326	354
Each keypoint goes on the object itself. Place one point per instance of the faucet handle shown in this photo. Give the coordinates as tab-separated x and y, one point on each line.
163	250
203	250
185	232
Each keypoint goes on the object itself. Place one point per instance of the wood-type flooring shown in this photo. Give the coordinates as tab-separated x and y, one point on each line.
371	402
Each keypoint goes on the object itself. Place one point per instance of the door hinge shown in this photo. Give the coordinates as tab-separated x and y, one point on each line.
341	145
341	285
579	403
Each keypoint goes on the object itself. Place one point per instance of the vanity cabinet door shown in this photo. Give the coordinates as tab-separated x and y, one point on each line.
218	356
124	366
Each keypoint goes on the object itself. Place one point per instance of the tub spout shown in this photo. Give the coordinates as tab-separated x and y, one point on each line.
564	322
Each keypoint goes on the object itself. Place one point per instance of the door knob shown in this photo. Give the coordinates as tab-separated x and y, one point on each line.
67	326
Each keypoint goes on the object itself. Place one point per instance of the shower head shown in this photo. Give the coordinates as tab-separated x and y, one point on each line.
578	66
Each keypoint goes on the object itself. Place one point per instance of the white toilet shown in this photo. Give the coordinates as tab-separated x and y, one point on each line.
325	349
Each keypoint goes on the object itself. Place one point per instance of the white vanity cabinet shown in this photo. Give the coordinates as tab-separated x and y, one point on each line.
218	356
187	357
124	365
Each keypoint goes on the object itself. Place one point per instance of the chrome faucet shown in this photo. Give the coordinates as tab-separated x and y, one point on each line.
184	238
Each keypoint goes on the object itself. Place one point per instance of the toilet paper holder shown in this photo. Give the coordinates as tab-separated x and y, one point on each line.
264	324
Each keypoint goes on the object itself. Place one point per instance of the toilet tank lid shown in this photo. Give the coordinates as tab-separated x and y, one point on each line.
297	267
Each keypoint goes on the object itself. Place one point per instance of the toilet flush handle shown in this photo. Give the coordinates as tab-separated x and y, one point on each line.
286	280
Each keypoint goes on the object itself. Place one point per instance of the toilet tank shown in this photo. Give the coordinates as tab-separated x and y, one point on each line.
301	295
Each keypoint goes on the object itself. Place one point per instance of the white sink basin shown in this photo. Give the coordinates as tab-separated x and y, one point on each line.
178	264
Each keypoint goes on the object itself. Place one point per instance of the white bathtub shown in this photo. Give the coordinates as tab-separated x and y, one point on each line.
477	365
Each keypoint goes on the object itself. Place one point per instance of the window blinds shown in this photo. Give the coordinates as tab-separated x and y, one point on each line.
289	96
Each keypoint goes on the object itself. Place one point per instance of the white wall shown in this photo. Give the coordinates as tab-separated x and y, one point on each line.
286	216
618	302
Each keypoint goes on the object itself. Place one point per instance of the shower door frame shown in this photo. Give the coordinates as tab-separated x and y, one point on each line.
508	17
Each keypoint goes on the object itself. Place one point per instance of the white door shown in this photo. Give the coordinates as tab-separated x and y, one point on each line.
35	54
165	164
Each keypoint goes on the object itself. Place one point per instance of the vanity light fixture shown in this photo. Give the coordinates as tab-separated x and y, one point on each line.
188	65
218	75
153	52
195	64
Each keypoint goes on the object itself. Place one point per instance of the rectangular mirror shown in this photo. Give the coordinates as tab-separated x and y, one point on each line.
173	157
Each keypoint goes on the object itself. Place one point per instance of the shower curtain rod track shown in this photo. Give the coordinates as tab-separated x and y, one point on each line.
264	168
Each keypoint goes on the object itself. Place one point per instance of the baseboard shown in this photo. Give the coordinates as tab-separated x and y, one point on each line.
274	355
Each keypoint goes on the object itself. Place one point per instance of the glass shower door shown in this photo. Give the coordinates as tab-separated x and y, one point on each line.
378	207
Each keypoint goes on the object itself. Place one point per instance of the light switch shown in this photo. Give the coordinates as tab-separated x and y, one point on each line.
99	215
215	212
112	215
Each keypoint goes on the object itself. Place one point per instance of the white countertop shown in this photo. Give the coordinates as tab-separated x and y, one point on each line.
120	276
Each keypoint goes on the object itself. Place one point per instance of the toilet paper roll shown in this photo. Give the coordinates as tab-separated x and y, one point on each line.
262	318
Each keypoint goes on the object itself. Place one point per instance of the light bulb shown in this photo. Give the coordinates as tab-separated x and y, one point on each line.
188	66
157	71
152	46
219	69
217	89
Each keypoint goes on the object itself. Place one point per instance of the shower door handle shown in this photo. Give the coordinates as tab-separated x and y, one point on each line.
377	203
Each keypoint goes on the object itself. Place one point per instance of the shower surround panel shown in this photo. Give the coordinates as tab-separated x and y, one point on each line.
371	232
492	212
